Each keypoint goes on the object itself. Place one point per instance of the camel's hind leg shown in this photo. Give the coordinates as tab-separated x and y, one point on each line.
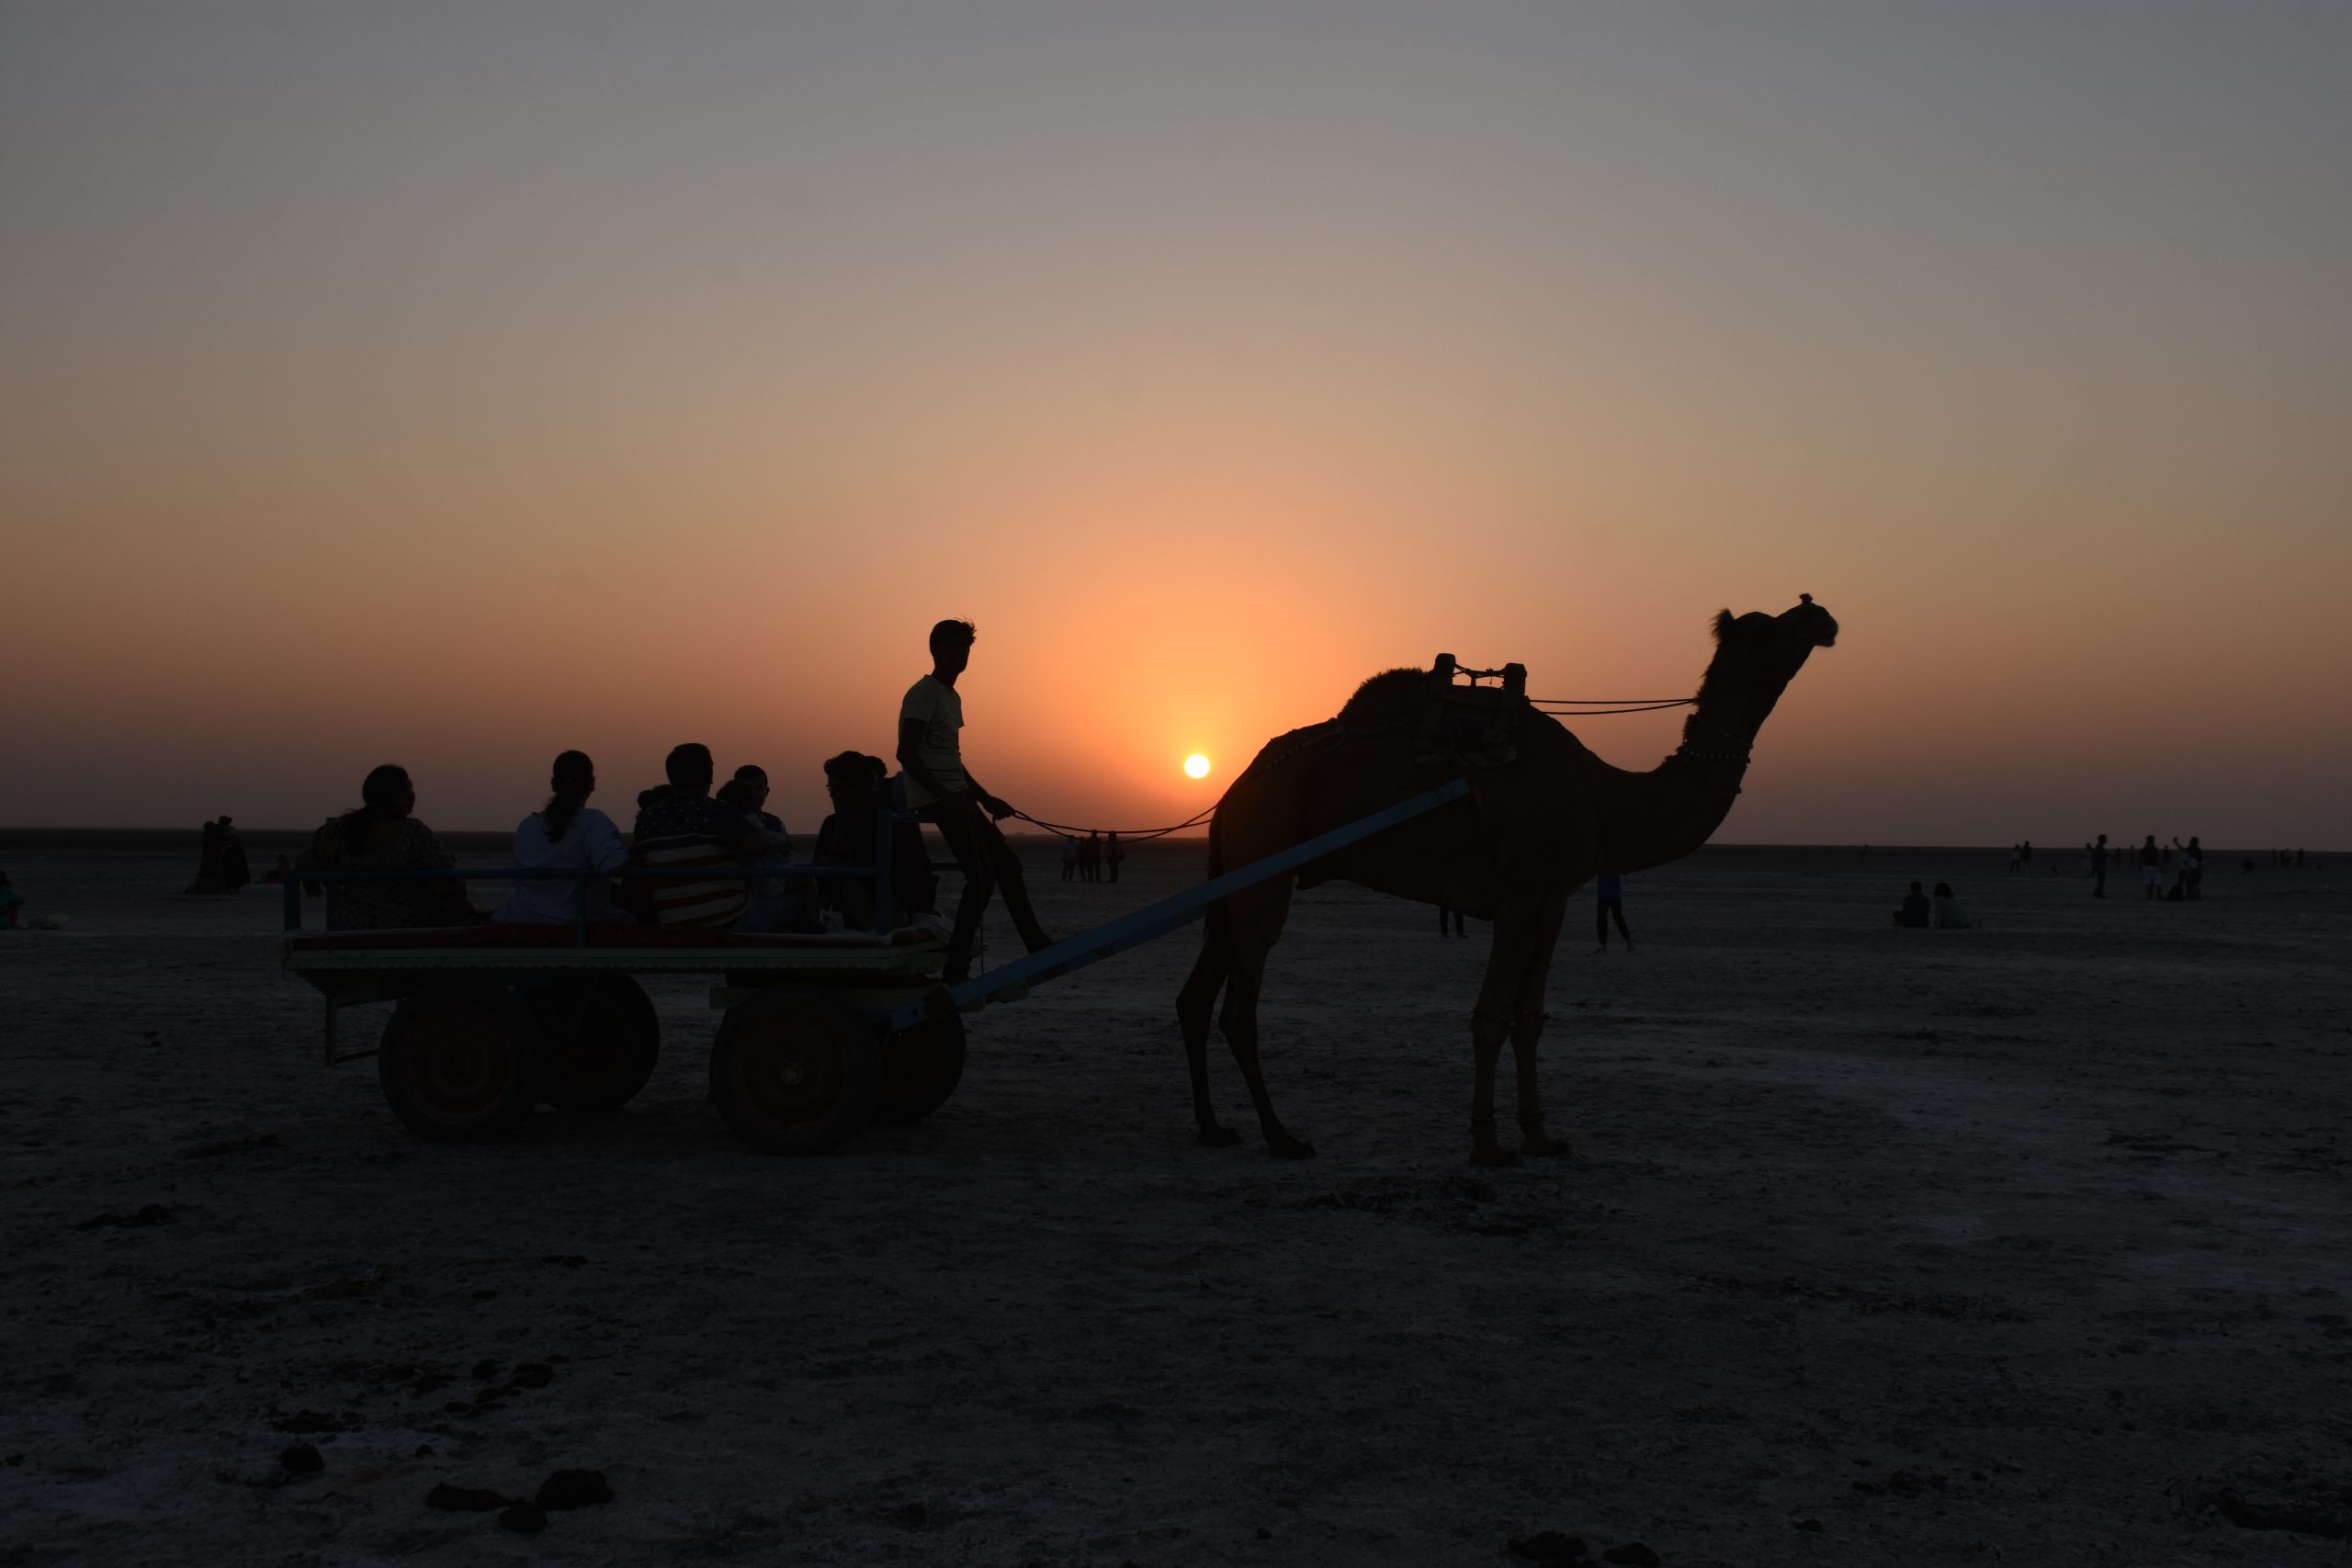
1194	1006
1527	1027
1254	921
1518	933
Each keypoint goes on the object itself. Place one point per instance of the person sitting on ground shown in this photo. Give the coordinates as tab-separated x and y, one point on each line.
1916	911
1949	915
382	835
279	872
682	827
567	834
858	786
777	904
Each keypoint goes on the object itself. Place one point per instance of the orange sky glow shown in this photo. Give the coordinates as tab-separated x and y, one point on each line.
457	389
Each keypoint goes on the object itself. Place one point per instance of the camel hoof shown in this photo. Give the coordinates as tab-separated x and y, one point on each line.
1543	1145
1492	1154
1220	1137
1288	1148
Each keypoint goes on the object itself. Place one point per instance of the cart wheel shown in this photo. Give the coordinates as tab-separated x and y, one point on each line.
456	1064
794	1070
599	1038
922	1065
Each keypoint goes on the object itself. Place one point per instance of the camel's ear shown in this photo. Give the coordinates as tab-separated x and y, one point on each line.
1723	623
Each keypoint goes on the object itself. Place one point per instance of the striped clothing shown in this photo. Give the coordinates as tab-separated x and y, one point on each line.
679	831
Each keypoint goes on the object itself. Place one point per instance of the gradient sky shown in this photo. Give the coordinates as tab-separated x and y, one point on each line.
452	384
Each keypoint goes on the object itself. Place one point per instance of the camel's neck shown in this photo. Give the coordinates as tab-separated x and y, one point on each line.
1667	812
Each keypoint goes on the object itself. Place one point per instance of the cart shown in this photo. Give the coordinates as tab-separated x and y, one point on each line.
818	1035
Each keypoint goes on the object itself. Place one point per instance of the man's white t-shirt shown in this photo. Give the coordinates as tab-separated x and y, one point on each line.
590	843
937	704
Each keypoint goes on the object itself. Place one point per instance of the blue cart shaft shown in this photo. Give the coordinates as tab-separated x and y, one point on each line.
1183	908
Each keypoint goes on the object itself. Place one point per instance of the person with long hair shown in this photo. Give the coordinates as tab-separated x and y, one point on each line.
567	834
382	834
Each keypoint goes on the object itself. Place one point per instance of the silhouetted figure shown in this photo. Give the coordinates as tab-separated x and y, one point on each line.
2299	860
566	834
773	902
684	829
1090	857
2152	869
1916	911
1611	890
858	786
383	835
1111	855
939	785
753	781
1443	915
208	861
2098	868
1950	916
235	872
2192	869
12	904
2017	863
279	873
2025	853
1070	855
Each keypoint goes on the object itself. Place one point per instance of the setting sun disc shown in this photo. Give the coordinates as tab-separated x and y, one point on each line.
1196	766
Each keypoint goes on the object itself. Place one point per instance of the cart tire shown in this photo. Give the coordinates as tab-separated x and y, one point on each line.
599	1039
794	1071
923	1064
457	1063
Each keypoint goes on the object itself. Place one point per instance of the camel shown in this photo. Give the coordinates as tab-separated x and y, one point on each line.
1532	831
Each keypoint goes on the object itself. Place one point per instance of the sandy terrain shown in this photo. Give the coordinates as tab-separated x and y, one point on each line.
2031	1243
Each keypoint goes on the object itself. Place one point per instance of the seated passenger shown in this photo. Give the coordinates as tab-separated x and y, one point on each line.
382	836
1915	911
859	786
1949	915
777	904
567	834
752	781
682	827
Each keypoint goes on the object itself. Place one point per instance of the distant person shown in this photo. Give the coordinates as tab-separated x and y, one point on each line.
12	904
1916	913
383	835
1611	896
931	720
2098	868
2017	861
858	787
683	829
1111	855
1090	857
1443	915
208	859
1949	914
1070	853
235	870
2025	852
2192	869
2299	860
279	873
567	834
2152	869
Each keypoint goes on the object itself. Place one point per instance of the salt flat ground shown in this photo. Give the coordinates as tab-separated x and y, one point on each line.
2019	1243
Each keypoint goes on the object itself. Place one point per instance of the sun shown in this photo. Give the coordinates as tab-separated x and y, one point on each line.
1196	766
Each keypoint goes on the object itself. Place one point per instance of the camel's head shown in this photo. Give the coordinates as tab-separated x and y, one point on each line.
1755	657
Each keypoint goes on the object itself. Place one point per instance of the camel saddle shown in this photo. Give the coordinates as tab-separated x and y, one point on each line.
1472	726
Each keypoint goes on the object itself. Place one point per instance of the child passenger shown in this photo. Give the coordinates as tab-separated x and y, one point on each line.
567	834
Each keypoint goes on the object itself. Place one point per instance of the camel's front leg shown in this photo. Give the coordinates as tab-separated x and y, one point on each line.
1490	1023
1527	1026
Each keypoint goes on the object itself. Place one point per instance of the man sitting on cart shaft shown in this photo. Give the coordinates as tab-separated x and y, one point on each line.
682	827
939	785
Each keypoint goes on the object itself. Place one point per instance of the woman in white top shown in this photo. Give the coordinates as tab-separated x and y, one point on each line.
566	835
